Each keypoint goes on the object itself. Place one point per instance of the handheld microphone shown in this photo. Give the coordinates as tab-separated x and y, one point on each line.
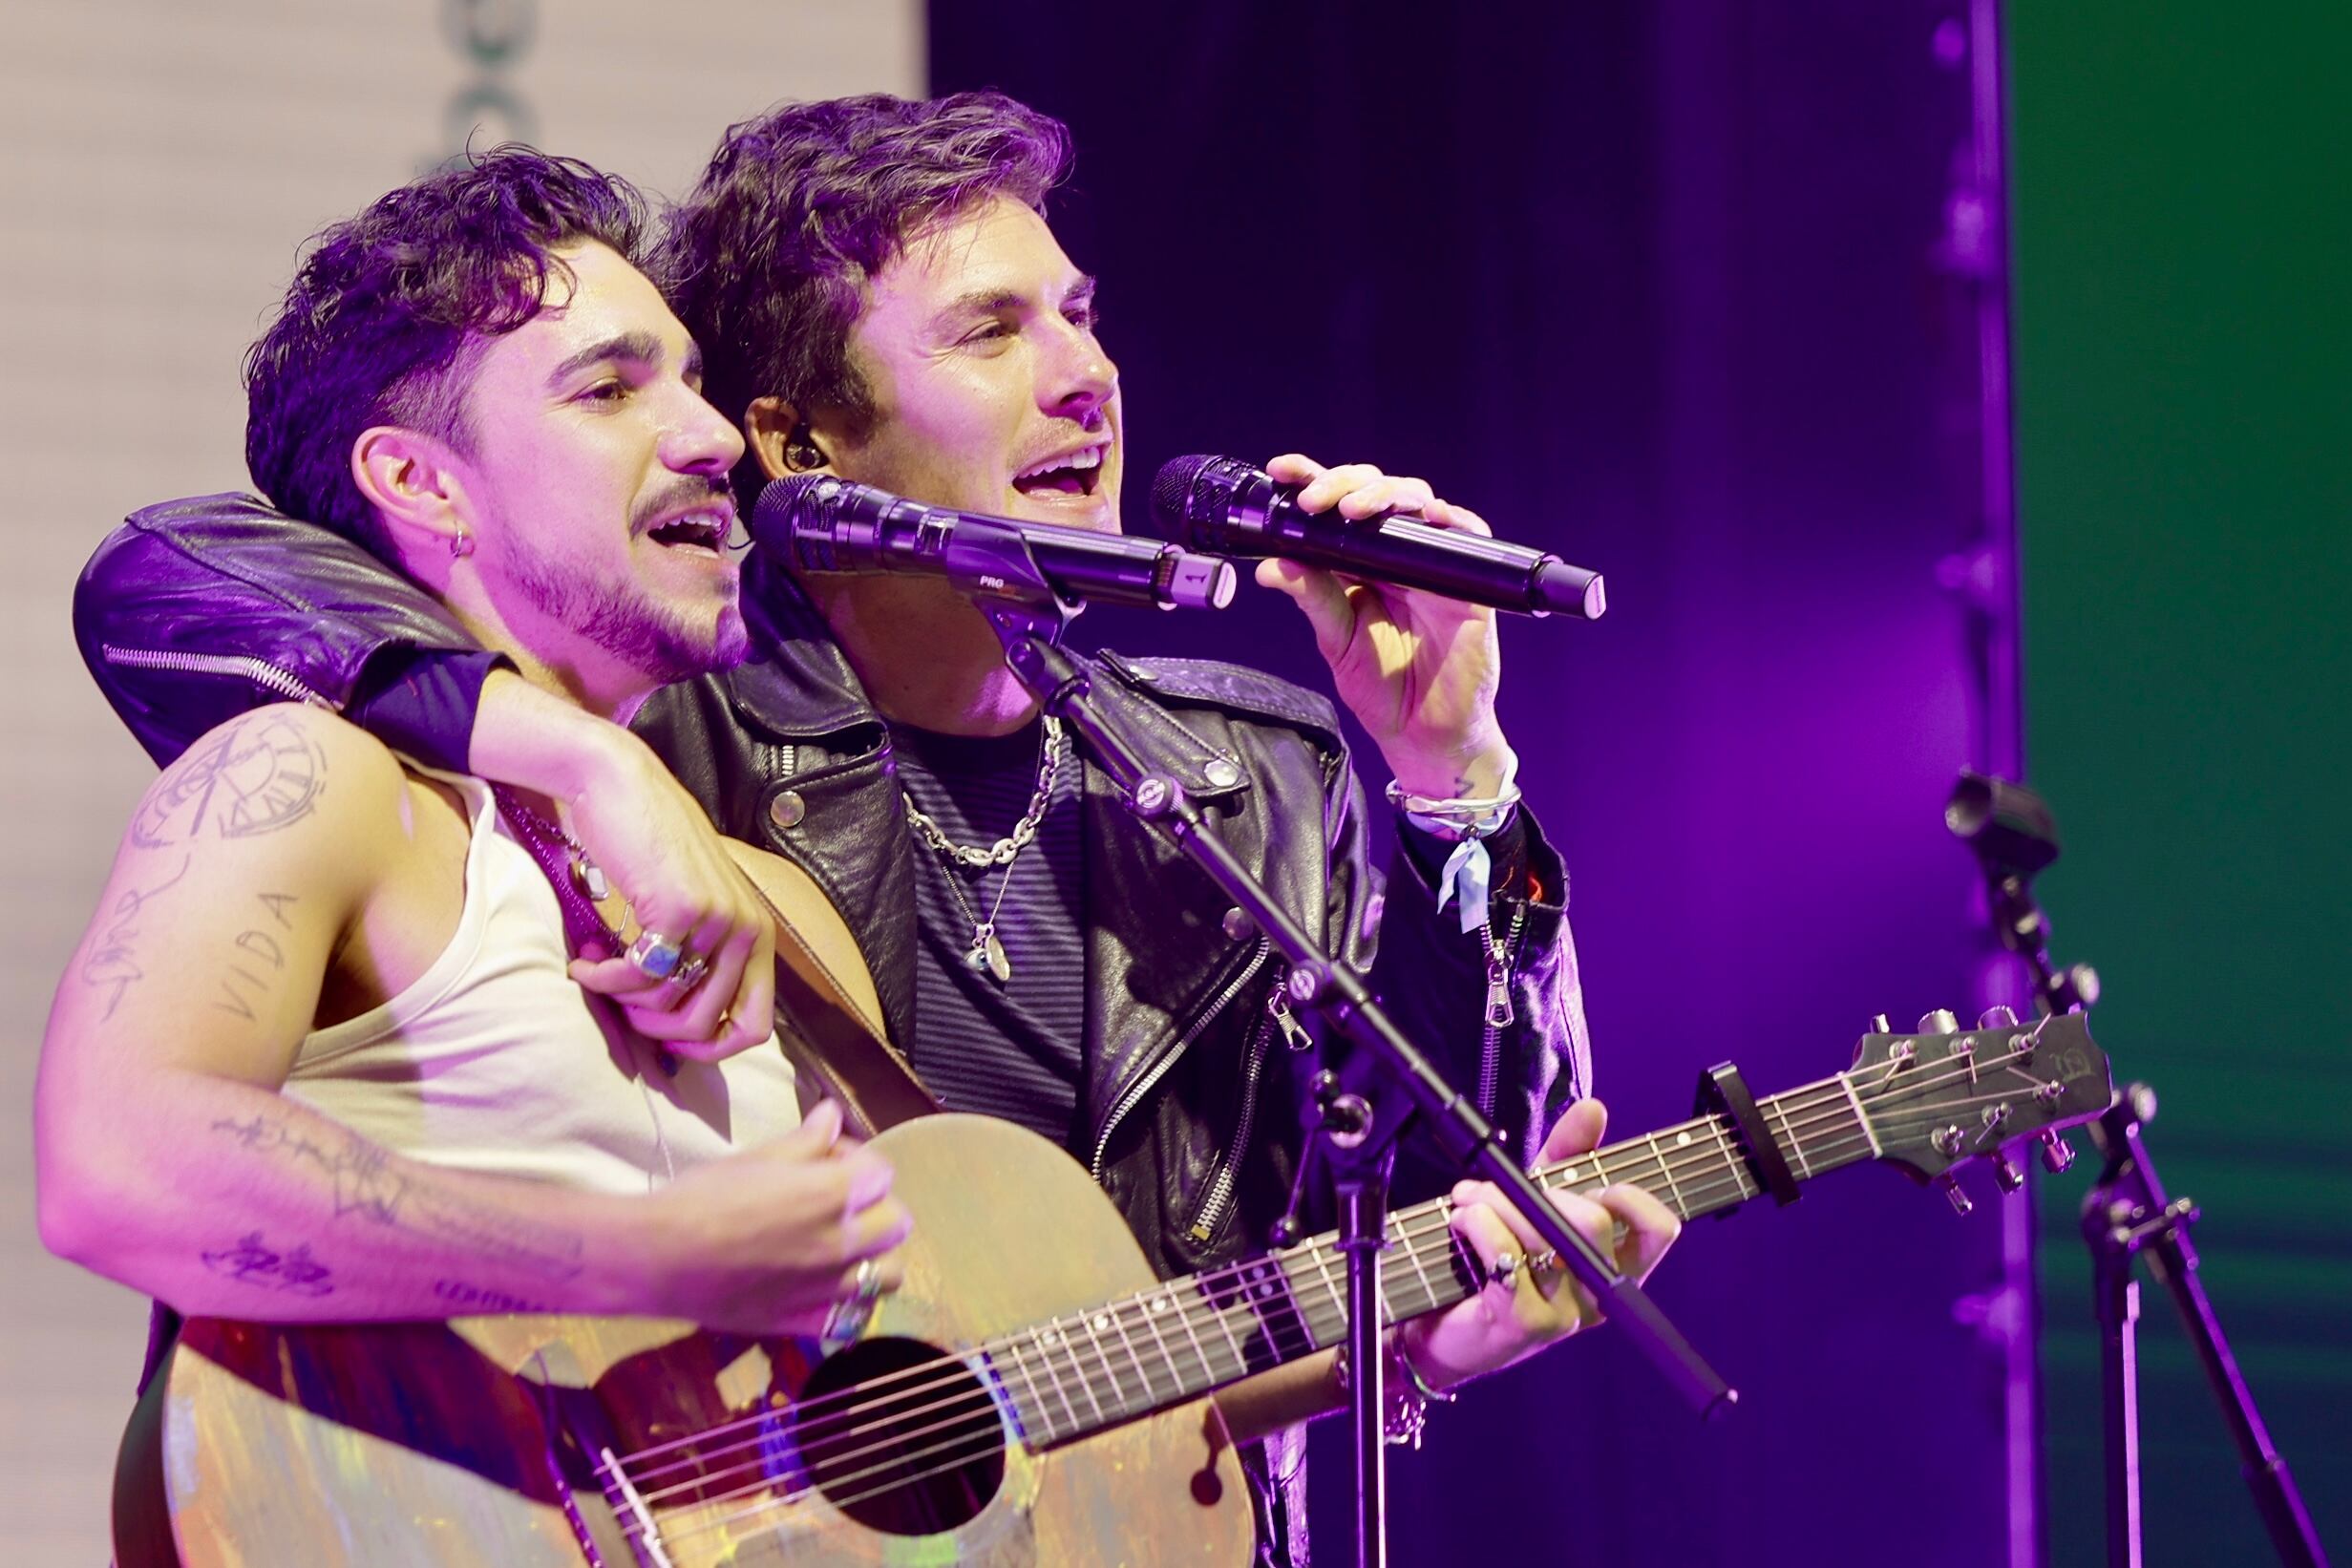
820	523
1225	505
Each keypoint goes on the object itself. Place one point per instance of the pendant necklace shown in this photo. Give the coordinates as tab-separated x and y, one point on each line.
987	953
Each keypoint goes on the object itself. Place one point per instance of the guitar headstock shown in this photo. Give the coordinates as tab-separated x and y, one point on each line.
1940	1098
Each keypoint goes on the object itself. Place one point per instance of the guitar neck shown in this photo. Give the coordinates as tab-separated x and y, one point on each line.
1078	1374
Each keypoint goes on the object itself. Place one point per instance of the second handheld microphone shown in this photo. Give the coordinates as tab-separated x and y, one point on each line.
1225	505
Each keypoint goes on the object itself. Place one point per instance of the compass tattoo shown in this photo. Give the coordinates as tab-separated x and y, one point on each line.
257	777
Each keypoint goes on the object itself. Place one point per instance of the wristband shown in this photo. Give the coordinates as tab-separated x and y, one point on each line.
1467	821
1408	1395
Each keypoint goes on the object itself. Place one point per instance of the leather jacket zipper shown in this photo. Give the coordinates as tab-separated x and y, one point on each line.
1498	1010
1277	1018
1142	1085
267	676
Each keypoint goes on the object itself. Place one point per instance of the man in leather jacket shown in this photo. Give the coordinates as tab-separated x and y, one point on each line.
878	297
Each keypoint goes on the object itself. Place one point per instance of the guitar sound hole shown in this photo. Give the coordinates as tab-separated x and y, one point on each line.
899	1437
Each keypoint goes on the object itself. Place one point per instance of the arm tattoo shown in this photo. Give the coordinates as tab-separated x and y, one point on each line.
114	960
367	1185
256	951
251	1261
256	777
459	1293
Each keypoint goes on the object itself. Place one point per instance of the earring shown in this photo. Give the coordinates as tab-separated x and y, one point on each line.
800	451
460	544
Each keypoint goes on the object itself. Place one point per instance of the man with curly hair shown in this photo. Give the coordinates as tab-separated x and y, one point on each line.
321	1054
880	297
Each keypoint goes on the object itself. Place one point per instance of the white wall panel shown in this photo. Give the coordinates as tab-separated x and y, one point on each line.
161	163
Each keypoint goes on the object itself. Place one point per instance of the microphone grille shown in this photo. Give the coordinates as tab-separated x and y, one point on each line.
1172	495
782	503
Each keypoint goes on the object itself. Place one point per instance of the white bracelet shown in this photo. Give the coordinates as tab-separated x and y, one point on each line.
1474	816
1462	817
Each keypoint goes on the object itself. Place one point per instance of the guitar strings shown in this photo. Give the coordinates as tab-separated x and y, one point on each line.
1399	1269
975	1404
987	1441
1629	1153
951	1453
1208	1280
975	1400
1321	1320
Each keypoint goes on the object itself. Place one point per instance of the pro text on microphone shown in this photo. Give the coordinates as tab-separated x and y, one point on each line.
820	523
1225	505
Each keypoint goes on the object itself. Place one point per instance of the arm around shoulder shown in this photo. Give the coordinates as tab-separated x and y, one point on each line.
196	610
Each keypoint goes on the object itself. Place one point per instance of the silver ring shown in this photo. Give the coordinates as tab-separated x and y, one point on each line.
687	974
1504	1271
655	956
1546	1262
851	1314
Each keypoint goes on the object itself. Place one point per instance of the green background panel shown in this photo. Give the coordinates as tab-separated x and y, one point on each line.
2181	234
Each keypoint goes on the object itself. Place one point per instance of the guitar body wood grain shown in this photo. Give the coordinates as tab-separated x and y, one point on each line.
461	1442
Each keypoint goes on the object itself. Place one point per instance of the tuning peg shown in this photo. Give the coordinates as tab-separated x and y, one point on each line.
1951	1186
1942	1021
1878	1023
2057	1153
2005	1173
1996	1017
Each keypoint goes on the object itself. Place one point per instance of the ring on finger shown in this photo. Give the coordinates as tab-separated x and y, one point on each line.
687	974
1504	1271
655	956
850	1314
1543	1268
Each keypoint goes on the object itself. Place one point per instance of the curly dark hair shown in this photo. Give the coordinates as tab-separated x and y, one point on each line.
388	310
766	262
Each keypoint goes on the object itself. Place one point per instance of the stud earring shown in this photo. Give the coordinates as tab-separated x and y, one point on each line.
460	544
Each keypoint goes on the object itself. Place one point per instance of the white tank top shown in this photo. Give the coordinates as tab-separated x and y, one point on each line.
493	1061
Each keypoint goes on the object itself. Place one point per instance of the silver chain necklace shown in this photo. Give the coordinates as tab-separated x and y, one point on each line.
986	954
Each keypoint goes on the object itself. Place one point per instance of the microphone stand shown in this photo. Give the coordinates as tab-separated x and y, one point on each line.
993	566
2126	1212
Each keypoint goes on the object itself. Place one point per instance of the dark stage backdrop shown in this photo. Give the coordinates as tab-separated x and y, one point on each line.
2183	220
1656	285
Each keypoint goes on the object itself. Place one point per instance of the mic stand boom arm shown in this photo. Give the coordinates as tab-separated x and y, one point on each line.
1028	619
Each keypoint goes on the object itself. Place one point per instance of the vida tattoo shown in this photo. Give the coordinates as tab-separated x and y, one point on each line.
260	959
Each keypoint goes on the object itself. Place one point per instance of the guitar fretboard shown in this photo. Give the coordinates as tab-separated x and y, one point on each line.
1075	1375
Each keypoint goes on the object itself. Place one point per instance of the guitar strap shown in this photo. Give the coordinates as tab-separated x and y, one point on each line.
821	1030
826	1038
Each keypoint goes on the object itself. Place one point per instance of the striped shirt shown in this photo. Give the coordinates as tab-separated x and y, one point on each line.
1015	1050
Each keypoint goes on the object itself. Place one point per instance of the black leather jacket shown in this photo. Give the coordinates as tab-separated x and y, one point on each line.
196	609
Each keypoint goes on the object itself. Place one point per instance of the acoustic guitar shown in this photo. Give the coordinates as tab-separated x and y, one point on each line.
1031	1395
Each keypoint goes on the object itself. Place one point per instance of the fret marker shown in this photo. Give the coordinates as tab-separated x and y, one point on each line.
1568	1172
1102	1320
1681	1140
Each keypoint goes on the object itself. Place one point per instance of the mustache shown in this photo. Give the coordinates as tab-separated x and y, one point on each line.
681	497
